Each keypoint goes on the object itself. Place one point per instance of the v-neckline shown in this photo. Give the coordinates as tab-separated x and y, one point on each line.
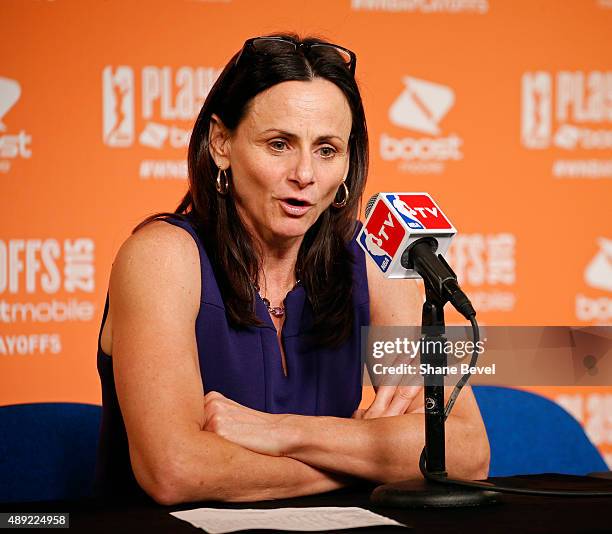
260	304
279	335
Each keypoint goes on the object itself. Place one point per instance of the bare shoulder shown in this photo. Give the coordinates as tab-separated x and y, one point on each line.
159	260
158	253
158	239
392	301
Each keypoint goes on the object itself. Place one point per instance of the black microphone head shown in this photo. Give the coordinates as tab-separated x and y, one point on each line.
370	204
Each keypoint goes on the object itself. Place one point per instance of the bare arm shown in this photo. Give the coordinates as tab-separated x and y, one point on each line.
155	297
387	444
381	444
383	449
387	449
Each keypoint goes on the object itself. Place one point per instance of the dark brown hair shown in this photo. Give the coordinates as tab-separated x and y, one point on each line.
324	262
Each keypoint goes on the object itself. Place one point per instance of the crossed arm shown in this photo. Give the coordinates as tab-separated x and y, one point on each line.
381	449
183	449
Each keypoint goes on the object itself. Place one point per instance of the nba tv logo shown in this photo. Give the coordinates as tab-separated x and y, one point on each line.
536	109
118	106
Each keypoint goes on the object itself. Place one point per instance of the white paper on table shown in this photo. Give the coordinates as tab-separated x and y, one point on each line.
218	521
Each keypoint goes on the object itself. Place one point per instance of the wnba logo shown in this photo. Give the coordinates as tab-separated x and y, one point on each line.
153	107
166	95
536	110
575	98
118	106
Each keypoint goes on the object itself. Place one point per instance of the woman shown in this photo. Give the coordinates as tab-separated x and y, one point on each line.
260	256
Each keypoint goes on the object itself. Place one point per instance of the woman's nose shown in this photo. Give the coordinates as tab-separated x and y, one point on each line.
304	172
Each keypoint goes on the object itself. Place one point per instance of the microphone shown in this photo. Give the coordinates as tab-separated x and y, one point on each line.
402	234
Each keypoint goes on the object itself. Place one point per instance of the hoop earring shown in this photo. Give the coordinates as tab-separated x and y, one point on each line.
222	184
344	200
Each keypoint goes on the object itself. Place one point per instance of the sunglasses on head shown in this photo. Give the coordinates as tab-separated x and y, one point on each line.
265	45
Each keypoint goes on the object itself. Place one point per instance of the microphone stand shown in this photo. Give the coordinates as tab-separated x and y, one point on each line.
423	492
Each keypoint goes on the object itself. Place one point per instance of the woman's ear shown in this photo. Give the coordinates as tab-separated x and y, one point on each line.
219	142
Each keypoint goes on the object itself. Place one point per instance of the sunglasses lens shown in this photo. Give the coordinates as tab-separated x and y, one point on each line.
265	45
333	52
277	45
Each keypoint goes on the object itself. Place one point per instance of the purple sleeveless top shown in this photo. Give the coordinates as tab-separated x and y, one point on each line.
245	366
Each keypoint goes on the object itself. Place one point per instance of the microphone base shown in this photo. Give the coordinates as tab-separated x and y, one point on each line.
427	494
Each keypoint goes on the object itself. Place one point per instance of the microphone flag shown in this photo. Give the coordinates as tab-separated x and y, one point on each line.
395	221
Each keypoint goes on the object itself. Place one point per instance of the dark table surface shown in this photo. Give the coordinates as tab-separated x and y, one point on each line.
513	513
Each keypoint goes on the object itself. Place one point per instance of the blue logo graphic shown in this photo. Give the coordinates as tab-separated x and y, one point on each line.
405	212
373	245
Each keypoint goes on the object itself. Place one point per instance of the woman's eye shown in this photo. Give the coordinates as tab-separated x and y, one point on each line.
279	146
327	151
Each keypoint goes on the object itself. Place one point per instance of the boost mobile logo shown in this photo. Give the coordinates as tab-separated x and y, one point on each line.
11	145
420	107
10	91
598	275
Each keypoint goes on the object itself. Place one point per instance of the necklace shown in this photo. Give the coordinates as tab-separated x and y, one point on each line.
276	311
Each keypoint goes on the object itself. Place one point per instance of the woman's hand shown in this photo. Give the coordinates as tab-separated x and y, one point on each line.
390	400
251	429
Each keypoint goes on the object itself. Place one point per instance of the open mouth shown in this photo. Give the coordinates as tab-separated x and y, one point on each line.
297	202
295	207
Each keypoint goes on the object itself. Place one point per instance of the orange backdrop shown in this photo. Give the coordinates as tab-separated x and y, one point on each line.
501	109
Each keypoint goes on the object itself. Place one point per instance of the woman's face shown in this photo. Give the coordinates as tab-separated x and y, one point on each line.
288	156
